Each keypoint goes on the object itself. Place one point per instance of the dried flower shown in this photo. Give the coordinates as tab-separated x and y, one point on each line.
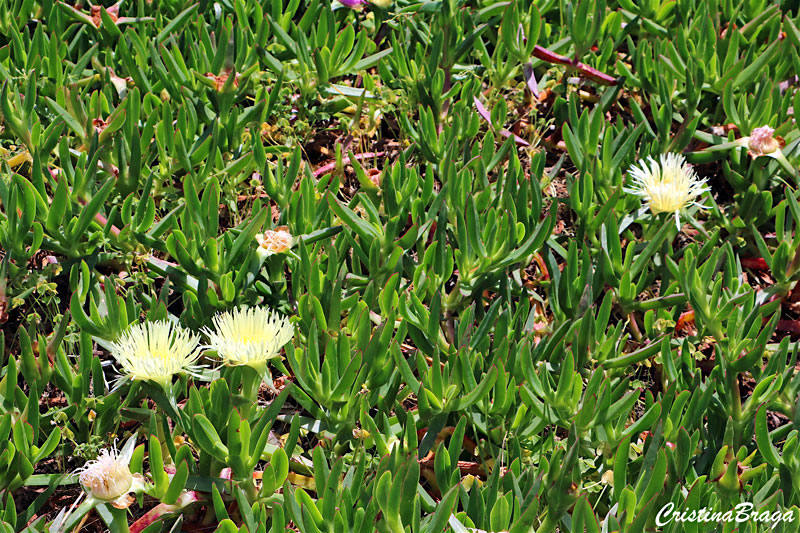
220	81
274	241
156	351
109	479
94	17
99	125
249	336
375	176
113	14
669	185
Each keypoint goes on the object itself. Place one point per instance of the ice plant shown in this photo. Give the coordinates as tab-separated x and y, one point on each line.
249	336
156	351
108	479
275	241
668	185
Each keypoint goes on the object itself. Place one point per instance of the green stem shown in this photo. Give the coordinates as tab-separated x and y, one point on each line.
250	490
736	414
549	523
115	519
251	381
634	327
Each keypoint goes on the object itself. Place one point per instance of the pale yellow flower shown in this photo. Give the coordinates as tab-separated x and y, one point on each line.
156	351
249	336
668	185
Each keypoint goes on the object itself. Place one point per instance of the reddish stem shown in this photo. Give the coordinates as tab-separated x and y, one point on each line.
754	263
540	261
330	167
162	509
103	221
592	73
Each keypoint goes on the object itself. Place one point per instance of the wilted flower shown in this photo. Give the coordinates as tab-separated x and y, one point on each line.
109	479
762	141
156	351
274	241
95	18
669	185
249	336
219	82
99	125
375	177
113	14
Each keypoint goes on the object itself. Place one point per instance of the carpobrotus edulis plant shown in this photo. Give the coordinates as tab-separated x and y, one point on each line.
667	185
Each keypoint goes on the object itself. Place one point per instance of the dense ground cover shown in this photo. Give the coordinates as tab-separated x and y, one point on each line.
498	266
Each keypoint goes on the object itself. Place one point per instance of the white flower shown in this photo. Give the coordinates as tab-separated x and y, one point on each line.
156	351
669	185
249	336
109	479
